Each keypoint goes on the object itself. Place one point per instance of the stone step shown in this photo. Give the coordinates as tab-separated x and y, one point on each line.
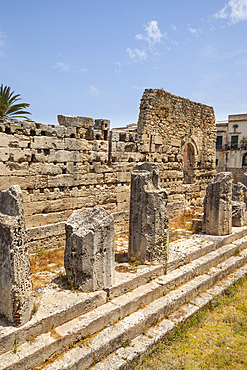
138	348
56	307
200	246
51	314
45	346
91	351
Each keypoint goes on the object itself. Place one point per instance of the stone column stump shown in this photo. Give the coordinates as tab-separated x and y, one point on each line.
238	214
244	181
148	222
218	205
89	258
16	301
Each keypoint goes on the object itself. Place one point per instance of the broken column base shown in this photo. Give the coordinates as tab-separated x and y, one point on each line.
89	258
16	301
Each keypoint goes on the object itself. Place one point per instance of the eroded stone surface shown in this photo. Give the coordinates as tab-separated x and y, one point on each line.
218	205
81	164
16	301
238	214
148	226
245	179
89	252
239	192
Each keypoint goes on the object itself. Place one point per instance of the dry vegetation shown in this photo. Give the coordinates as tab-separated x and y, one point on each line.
180	226
45	265
215	338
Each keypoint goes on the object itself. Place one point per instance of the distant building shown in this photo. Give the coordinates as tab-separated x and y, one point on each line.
231	144
132	127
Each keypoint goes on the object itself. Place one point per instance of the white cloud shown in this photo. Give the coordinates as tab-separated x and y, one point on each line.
117	68
139	36
62	67
93	91
235	11
153	34
136	87
137	54
84	69
194	31
173	27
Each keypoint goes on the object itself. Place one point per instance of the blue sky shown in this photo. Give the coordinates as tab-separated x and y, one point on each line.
94	58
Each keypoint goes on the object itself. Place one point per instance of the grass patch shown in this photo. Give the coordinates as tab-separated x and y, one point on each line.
215	338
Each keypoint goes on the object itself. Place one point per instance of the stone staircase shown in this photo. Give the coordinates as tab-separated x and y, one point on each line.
114	328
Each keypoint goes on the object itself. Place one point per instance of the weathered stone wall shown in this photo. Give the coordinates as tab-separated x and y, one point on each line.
80	164
167	125
237	173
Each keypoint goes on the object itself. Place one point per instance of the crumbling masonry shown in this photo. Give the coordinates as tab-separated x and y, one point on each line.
80	164
148	223
16	301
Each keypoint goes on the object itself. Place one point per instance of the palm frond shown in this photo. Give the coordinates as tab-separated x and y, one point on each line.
9	106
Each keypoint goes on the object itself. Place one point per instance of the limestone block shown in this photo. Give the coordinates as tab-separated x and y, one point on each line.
148	225
4	140
102	124
239	192
245	179
16	301
76	121
110	178
123	177
71	143
176	142
130	147
121	146
238	214
4	154
218	205
144	148
100	146
89	253
157	140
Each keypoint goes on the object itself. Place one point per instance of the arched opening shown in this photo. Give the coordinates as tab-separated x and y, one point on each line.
189	163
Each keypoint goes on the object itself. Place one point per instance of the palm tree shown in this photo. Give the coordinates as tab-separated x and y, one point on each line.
9	108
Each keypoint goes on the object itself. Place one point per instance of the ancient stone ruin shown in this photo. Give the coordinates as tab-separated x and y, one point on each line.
238	214
89	258
16	301
218	205
156	171
239	192
81	164
148	222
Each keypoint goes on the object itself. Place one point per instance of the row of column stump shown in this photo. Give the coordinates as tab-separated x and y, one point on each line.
89	258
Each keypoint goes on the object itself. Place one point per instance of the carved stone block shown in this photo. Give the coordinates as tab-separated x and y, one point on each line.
148	225
89	252
16	301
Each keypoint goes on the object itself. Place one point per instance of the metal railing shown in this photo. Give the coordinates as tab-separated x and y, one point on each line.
230	146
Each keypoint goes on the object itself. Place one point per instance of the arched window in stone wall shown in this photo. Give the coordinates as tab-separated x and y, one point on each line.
189	161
